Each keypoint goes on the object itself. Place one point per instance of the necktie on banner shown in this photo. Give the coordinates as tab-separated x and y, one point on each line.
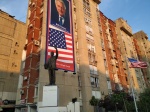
60	20
63	41
137	64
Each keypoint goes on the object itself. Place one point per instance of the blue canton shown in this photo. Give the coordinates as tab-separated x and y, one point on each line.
57	38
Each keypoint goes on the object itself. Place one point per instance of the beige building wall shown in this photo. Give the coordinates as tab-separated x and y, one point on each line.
90	78
148	52
67	82
12	41
87	34
79	85
144	47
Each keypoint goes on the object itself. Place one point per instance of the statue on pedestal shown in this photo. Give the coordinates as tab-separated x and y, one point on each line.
51	66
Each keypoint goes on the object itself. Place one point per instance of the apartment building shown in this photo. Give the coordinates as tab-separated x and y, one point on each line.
128	50
142	47
101	49
12	40
90	78
114	63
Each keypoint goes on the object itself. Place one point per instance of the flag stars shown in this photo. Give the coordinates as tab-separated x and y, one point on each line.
57	38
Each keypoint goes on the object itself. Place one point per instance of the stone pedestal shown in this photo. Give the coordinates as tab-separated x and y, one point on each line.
50	99
50	96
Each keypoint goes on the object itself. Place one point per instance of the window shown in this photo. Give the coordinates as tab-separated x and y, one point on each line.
91	69
93	48
109	84
77	45
78	68
36	91
95	70
94	81
97	94
105	63
80	95
79	81
41	21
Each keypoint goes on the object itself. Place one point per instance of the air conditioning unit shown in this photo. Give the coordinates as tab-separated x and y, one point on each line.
95	61
86	20
30	55
23	109
31	25
78	59
41	11
108	79
22	102
15	52
14	64
25	78
22	92
17	44
30	3
36	42
33	4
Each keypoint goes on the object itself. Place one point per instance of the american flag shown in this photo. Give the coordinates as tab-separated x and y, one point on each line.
57	38
137	64
63	41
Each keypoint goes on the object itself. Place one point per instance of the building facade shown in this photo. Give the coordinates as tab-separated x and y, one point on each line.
12	40
101	48
142	47
90	78
114	64
128	50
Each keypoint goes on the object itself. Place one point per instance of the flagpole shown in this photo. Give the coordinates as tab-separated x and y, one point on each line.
131	84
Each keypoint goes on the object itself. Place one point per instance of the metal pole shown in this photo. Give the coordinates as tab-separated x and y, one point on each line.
131	84
124	105
134	99
74	107
116	107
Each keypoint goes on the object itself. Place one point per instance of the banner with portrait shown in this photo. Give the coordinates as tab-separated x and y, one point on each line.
60	33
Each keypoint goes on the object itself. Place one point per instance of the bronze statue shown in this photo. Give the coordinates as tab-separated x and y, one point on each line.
51	66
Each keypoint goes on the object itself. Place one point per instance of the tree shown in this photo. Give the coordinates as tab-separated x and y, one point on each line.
144	101
94	102
119	100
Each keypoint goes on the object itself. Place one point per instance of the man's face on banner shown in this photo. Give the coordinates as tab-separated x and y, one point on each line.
60	8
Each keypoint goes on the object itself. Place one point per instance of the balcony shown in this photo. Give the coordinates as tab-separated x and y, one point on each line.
126	28
97	1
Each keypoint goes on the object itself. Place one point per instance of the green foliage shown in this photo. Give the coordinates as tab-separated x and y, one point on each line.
118	97
143	104
119	100
94	101
145	96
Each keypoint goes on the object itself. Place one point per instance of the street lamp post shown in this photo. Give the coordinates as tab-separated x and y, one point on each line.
116	106
74	101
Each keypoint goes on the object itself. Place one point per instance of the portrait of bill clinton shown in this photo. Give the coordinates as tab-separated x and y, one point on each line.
60	14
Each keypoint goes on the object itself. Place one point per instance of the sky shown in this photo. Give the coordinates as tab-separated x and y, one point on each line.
136	12
17	8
